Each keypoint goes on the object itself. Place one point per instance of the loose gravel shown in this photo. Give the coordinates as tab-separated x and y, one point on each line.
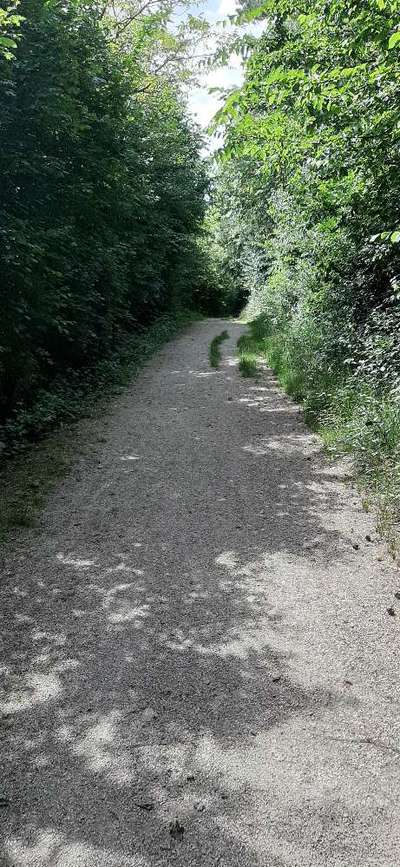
199	663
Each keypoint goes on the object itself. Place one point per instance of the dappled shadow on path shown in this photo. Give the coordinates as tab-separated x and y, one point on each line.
150	672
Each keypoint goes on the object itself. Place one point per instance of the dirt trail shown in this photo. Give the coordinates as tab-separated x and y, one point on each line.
191	634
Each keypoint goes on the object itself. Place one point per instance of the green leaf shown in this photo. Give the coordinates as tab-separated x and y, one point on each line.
395	237
394	39
9	43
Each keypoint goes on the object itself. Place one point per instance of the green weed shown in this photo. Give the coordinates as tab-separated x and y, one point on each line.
249	351
214	352
247	364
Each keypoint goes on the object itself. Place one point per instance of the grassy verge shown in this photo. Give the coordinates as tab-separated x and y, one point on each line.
29	470
352	416
214	352
249	353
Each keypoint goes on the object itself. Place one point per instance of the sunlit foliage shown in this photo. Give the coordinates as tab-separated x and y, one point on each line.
309	195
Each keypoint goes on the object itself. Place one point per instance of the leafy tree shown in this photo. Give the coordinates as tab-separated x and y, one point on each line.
314	131
9	24
102	195
310	169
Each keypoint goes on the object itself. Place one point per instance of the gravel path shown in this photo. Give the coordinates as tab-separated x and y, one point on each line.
193	634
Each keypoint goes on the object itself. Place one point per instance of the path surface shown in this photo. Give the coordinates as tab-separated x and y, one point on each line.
192	635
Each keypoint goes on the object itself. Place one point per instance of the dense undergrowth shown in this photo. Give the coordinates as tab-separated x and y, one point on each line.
307	201
73	394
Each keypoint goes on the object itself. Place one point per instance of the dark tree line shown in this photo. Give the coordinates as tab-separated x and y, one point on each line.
102	190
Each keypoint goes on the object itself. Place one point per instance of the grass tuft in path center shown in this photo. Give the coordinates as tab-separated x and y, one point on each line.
214	352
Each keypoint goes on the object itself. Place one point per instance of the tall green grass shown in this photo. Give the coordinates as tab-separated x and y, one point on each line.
249	353
214	352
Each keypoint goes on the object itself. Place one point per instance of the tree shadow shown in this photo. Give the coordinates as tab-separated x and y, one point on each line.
148	670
